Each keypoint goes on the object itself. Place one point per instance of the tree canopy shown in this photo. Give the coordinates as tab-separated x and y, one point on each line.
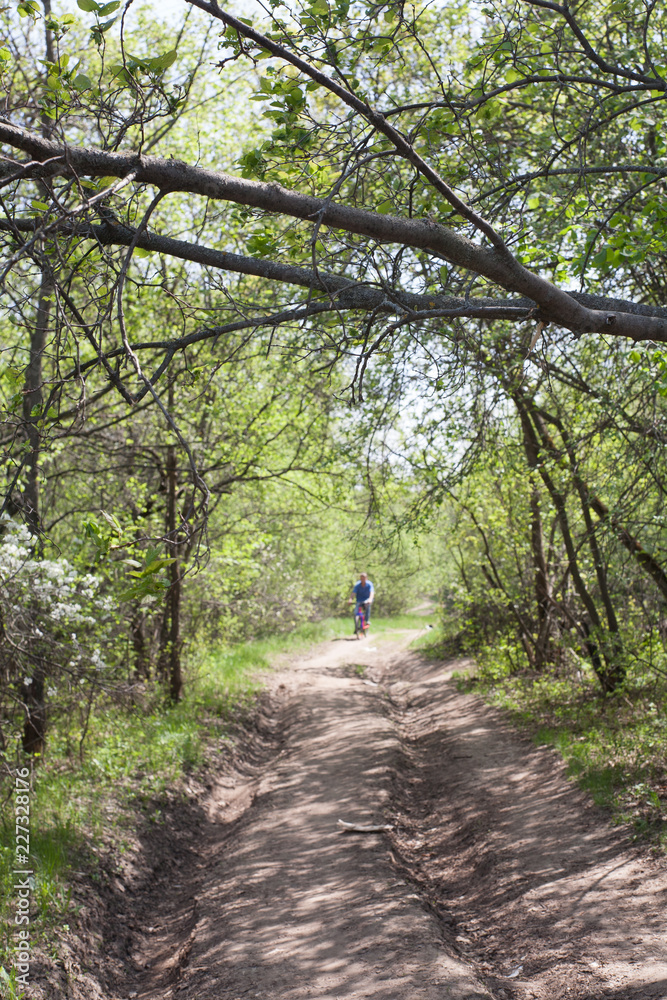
399	264
518	146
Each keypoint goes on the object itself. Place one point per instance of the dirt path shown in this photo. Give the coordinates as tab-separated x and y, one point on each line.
497	881
540	886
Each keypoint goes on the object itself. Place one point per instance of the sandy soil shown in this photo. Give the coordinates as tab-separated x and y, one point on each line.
545	894
498	879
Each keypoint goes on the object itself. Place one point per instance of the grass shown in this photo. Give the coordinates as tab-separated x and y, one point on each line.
401	623
9	987
431	642
615	747
52	846
226	675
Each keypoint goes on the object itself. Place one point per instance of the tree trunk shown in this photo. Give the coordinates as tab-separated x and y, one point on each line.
172	660
607	673
615	671
543	595
34	701
142	663
591	536
34	730
647	562
32	405
632	544
495	583
34	694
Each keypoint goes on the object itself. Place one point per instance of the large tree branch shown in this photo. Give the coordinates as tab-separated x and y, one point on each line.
554	304
346	293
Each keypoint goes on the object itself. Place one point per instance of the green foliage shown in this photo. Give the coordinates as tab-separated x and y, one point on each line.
401	622
53	845
653	366
146	577
10	989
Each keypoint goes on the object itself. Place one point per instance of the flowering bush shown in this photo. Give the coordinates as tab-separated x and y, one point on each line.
56	635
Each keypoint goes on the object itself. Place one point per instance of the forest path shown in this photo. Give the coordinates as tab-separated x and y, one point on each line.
521	889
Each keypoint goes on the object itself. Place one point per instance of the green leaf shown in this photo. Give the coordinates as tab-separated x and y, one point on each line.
5	55
88	5
135	61
29	8
140	252
113	521
146	587
82	82
294	98
385	208
157	565
109	8
262	244
160	63
41	206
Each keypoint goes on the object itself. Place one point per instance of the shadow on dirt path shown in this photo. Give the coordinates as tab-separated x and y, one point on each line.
286	906
498	880
540	886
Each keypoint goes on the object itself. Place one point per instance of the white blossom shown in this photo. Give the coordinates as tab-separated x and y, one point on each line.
47	599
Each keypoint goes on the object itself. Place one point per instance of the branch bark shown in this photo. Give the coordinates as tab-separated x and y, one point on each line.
553	304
